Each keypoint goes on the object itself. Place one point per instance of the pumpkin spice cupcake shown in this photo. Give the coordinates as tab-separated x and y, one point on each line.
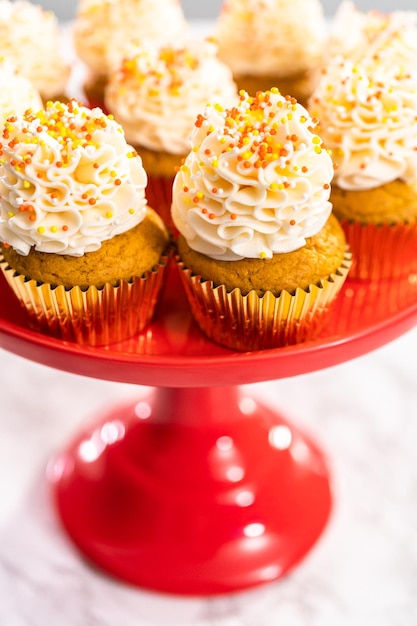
30	38
273	43
79	246
156	95
367	108
260	254
105	30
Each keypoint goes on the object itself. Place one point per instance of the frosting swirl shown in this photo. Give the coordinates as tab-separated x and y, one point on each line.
274	37
30	37
17	93
68	180
158	92
256	182
364	35
104	30
367	113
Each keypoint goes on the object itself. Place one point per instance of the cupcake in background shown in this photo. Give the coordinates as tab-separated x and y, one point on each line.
367	108
79	246
355	34
156	96
273	43
17	93
260	254
105	30
31	39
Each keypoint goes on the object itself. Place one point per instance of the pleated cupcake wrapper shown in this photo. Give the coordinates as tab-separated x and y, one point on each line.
94	316
159	197
381	251
251	322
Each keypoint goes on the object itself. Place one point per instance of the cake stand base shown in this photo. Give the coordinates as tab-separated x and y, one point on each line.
192	491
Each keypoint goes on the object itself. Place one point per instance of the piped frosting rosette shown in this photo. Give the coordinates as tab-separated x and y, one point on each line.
255	187
30	37
270	37
105	30
69	186
358	35
367	111
17	93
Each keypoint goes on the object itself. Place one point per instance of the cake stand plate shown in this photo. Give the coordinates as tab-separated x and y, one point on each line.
197	488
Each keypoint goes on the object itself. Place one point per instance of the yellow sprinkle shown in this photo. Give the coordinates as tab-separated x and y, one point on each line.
109	214
113	173
195	149
246	140
263	255
215	163
54	229
316	139
222	139
131	211
318	150
199	194
246	155
274	90
10	214
41	229
274	186
1	161
26	184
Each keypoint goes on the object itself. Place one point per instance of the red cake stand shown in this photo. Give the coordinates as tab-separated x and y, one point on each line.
199	489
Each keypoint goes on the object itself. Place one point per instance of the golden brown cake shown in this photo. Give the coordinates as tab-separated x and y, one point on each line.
81	248
132	253
321	256
261	256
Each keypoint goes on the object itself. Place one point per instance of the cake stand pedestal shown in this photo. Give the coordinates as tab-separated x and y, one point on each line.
198	489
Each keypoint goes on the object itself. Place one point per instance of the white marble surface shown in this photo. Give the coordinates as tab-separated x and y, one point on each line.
363	571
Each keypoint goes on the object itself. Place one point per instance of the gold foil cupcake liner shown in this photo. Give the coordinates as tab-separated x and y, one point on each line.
381	251
94	316
251	322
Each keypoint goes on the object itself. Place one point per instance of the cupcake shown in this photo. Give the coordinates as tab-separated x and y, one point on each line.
156	96
79	247
17	93
31	39
104	31
273	43
354	33
368	109
261	256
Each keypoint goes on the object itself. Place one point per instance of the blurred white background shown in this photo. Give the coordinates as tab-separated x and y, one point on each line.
203	9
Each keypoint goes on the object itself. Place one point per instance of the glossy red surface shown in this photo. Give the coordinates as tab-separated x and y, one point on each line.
173	352
198	491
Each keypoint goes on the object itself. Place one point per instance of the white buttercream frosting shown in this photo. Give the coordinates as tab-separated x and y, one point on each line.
30	38
273	37
368	113
356	35
158	92
256	182
17	93
104	30
68	180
